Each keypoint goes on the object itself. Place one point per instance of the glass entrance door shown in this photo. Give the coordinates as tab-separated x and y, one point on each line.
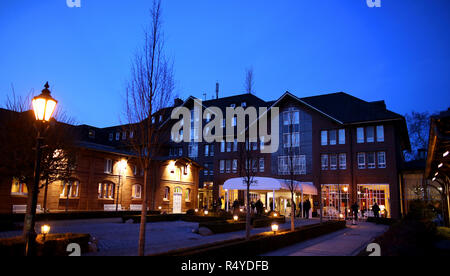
335	200
368	194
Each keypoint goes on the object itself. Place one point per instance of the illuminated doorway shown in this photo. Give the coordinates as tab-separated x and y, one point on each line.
368	194
335	200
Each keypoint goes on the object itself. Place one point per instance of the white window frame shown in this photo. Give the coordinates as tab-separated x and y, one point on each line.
222	166
135	192
117	136
362	165
333	142
371	165
342	161
235	165
228	166
370	139
261	164
381	157
222	146
324	161
108	166
333	165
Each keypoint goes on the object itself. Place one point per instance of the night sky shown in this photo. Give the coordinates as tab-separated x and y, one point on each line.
398	53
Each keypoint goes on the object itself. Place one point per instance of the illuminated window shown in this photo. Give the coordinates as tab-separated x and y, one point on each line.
136	191
235	165
187	195
261	165
222	166
108	166
228	166
70	189
18	188
333	162
106	190
342	137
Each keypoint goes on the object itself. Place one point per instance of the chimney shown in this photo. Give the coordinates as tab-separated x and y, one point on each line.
217	90
177	102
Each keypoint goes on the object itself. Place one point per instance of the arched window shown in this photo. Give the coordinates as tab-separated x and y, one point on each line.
136	191
178	190
18	188
106	190
70	189
187	195
166	193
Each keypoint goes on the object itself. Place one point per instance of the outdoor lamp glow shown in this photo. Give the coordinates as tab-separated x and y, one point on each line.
345	189
274	228
45	229
196	210
341	216
440	165
445	154
242	210
44	105
275	214
235	218
122	165
160	208
206	212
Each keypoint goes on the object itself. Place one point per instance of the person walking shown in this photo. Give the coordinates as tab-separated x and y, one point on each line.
376	210
259	207
307	207
355	209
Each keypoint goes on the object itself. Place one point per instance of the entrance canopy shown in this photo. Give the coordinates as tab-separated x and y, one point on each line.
270	184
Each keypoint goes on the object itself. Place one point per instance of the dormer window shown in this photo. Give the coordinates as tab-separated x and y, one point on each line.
160	118
233	105
92	134
244	104
111	137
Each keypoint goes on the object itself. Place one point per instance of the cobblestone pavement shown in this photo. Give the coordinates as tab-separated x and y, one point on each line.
121	239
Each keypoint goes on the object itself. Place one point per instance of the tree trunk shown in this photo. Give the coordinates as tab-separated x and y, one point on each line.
248	217
292	212
143	216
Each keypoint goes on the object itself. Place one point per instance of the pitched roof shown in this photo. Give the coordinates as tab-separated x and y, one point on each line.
349	109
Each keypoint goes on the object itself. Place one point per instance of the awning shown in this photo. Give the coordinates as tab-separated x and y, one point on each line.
270	184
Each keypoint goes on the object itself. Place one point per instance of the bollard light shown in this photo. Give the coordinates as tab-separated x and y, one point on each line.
242	210
206	212
45	229
275	214
236	218
160	208
274	228
196	210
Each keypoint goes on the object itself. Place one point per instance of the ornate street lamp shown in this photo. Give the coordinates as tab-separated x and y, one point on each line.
43	106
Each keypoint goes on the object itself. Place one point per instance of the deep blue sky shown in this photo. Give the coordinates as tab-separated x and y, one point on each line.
399	52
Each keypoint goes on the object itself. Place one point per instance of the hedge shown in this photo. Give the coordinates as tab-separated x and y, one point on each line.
153	218
54	245
258	244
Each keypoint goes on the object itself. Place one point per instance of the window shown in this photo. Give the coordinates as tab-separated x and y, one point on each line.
235	145
254	146
342	161
108	166
282	165
187	195
117	136
382	159
180	152
333	162
193	150
261	164
228	166
244	104
342	137
235	166
370	131
360	135
135	170
92	134
234	122
136	191
222	146
70	189
131	135
291	117
211	150
254	165
124	135
222	166
206	150
380	134
229	146
18	188
160	118
324	162
287	140
111	137
166	193
106	190
206	170
324	135
361	160
211	168
333	137
262	144
371	160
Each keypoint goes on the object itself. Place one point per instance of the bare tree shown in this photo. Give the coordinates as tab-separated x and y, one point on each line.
249	83
247	170
293	161
418	128
149	90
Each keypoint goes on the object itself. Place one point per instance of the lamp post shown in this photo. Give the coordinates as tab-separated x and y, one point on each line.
122	168
43	106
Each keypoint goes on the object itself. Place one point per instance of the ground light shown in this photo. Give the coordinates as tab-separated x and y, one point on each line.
235	218
206	212
274	228
196	210
45	229
275	214
160	208
43	106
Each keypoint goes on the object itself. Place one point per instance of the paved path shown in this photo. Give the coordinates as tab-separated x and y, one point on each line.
346	242
119	239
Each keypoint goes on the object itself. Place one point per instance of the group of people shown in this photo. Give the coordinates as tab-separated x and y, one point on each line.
375	209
